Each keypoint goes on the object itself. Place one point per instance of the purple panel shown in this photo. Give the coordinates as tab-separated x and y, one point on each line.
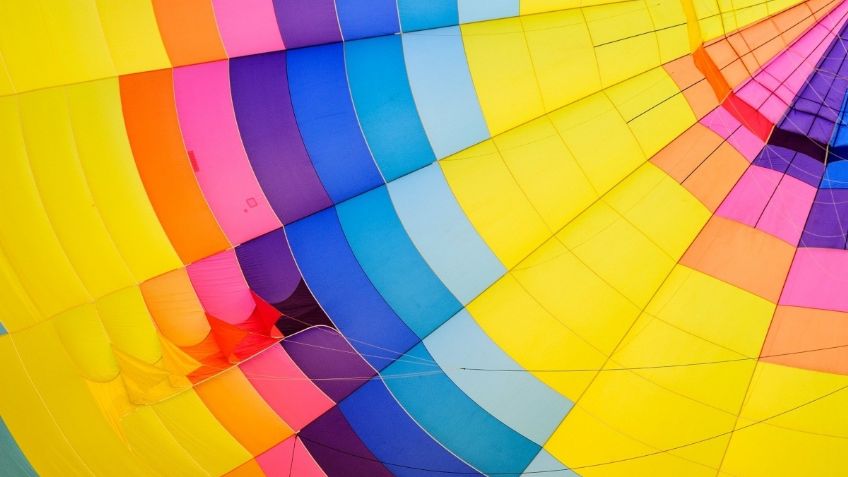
338	450
826	226
271	137
806	169
271	272
775	158
307	22
329	360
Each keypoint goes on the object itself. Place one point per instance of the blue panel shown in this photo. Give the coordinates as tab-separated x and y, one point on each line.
390	434
456	421
327	121
385	106
2	329
518	399
477	10
442	233
344	291
394	265
546	464
425	14
367	18
12	460
443	91
836	176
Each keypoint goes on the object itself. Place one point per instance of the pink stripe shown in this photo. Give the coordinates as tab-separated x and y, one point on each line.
221	287
285	388
209	129
749	197
247	26
817	279
787	210
289	458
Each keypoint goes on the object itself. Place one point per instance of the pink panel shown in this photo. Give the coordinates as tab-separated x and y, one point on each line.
750	195
721	122
289	458
817	279
220	163
747	143
787	210
285	388
221	287
247	26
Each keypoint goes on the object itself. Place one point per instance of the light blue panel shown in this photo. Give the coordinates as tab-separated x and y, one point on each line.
385	107
546	464
518	399
477	10
426	14
393	264
445	96
456	421
2	329
442	233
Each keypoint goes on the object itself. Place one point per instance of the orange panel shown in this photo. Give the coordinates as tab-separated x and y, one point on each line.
248	469
683	155
795	332
240	409
189	31
713	180
164	166
175	308
741	255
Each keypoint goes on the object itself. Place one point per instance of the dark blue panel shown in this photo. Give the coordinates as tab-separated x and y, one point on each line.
338	282
367	18
385	106
394	438
425	14
324	111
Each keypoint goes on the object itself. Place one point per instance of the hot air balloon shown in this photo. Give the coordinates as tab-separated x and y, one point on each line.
374	238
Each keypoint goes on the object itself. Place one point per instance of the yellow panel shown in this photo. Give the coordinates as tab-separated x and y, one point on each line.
87	343
714	310
129	324
601	142
119	195
502	72
16	308
132	35
533	337
52	42
197	430
808	441
576	296
31	422
709	19
546	171
563	57
528	7
672	32
654	109
624	38
65	193
617	252
152	440
6	85
660	208
30	243
66	395
632	418
494	203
